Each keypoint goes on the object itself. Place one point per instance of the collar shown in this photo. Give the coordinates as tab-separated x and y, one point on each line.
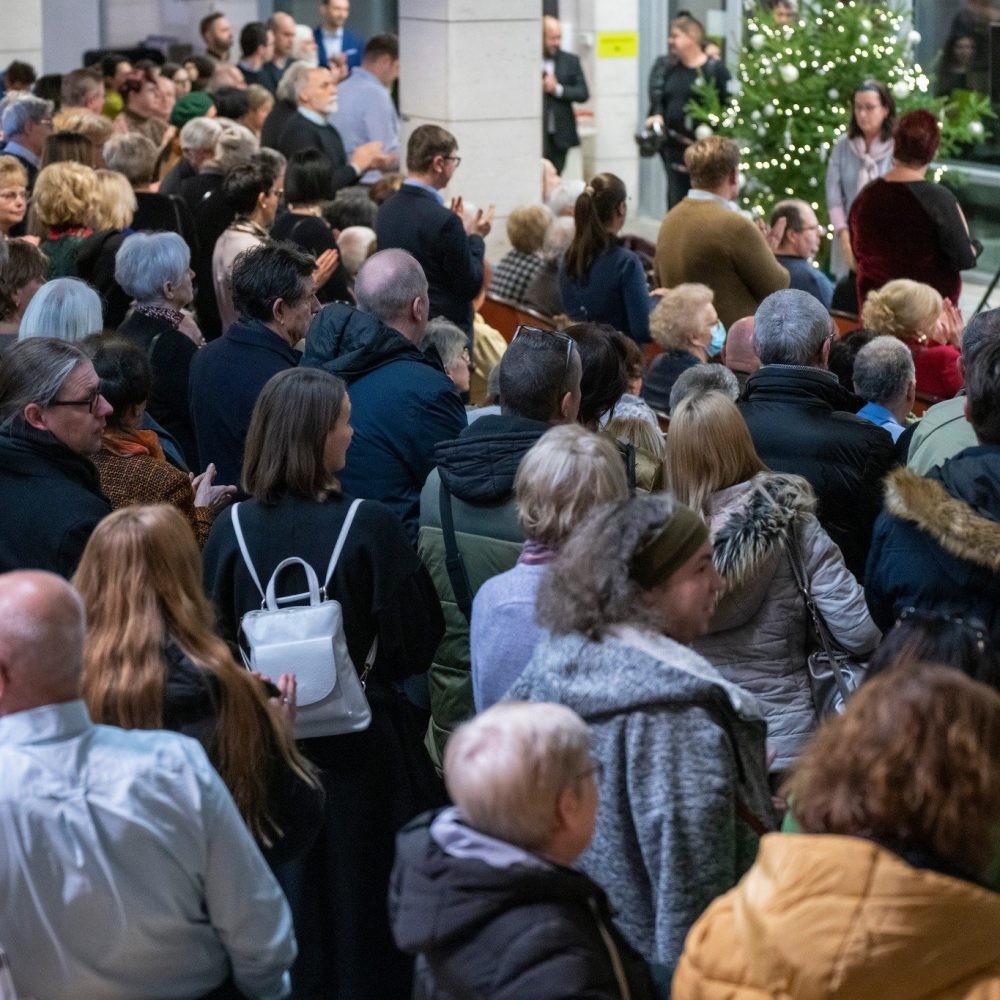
14	148
336	33
249	226
458	840
879	413
314	116
696	194
790	258
823	373
411	182
253	332
48	724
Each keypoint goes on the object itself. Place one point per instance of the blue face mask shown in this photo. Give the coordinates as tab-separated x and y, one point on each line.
718	340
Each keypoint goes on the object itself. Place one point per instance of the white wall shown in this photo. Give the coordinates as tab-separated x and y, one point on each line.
21	35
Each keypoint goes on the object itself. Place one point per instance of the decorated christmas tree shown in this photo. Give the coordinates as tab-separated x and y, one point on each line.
791	96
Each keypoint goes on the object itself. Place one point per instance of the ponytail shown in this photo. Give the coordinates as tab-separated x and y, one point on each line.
592	214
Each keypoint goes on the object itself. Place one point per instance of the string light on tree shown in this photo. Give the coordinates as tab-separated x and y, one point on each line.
795	87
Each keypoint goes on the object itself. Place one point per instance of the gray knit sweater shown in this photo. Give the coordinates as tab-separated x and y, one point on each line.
680	747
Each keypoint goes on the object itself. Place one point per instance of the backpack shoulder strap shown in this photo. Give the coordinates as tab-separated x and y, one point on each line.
454	563
241	541
341	538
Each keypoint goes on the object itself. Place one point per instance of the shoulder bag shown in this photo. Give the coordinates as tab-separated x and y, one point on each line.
308	640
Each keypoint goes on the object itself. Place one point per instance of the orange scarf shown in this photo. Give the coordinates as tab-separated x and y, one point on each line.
133	442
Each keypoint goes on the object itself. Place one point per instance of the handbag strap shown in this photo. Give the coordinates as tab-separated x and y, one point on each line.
819	622
338	548
454	563
241	541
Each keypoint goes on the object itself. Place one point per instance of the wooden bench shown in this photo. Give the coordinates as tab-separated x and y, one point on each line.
506	316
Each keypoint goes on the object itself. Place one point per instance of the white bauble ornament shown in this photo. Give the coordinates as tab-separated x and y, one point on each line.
833	93
976	129
900	89
813	182
862	39
755	116
703	131
768	110
866	24
914	38
757	41
789	73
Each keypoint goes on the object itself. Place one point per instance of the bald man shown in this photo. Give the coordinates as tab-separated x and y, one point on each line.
563	83
125	868
402	403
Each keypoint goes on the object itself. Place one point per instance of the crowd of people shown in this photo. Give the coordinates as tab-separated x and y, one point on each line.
353	647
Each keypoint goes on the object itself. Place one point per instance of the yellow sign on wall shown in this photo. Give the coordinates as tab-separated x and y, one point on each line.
617	44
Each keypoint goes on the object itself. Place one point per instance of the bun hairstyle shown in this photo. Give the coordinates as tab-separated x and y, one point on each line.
594	210
901	307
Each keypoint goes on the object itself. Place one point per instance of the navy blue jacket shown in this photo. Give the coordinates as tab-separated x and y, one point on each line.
615	292
807	278
414	220
936	546
226	378
402	405
352	45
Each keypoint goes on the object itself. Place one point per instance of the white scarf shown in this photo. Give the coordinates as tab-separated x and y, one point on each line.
870	158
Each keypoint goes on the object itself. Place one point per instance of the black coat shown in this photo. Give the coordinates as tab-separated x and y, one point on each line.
402	406
557	112
51	500
507	933
165	213
300	133
275	123
936	546
175	176
191	706
170	354
314	235
803	422
414	220
376	780
226	378
95	263
214	216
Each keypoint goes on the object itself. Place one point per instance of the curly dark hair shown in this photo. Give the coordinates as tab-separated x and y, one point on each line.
590	586
913	764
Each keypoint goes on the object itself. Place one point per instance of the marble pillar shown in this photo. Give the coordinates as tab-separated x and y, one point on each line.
21	37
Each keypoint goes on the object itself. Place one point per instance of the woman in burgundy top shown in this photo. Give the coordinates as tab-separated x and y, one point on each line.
903	226
930	326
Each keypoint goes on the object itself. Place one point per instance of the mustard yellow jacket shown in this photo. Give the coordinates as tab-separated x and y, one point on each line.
839	917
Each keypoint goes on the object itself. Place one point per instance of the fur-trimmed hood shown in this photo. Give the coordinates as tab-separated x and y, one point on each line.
952	507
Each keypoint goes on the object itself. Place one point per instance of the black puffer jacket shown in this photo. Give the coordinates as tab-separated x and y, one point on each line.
802	421
51	500
506	933
937	544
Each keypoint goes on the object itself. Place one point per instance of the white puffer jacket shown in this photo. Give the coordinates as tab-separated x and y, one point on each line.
759	636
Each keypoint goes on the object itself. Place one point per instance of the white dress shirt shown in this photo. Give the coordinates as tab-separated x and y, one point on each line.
126	870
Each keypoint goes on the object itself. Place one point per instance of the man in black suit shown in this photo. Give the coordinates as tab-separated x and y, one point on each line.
563	84
416	219
308	128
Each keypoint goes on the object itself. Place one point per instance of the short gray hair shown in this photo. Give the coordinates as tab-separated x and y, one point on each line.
235	146
271	158
133	156
295	77
790	328
506	768
447	339
200	133
145	262
33	371
388	282
19	111
558	236
64	308
883	371
564	197
980	330
704	378
355	244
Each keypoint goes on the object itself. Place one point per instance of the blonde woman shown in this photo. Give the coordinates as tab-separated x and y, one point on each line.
567	473
152	660
13	194
63	196
930	326
757	637
682	325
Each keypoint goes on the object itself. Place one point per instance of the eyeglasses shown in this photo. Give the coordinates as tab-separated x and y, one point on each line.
457	160
17	194
91	402
525	330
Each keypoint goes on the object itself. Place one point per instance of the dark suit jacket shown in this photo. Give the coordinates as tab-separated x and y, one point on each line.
300	133
353	47
275	123
557	112
414	220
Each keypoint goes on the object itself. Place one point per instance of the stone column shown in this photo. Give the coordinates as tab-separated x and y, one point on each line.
474	68
22	34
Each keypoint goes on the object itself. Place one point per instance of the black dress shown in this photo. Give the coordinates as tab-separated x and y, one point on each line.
313	234
376	780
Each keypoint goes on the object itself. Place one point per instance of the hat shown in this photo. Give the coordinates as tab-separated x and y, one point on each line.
192	105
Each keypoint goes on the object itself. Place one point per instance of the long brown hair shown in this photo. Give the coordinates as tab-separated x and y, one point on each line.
140	579
592	214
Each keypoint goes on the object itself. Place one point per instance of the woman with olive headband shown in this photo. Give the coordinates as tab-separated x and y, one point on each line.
684	797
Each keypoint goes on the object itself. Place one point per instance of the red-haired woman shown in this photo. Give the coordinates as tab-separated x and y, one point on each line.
903	226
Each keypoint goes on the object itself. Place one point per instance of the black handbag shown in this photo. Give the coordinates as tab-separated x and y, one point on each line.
834	675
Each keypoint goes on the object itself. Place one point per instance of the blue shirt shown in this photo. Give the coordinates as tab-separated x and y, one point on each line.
411	182
365	113
881	417
807	278
125	868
